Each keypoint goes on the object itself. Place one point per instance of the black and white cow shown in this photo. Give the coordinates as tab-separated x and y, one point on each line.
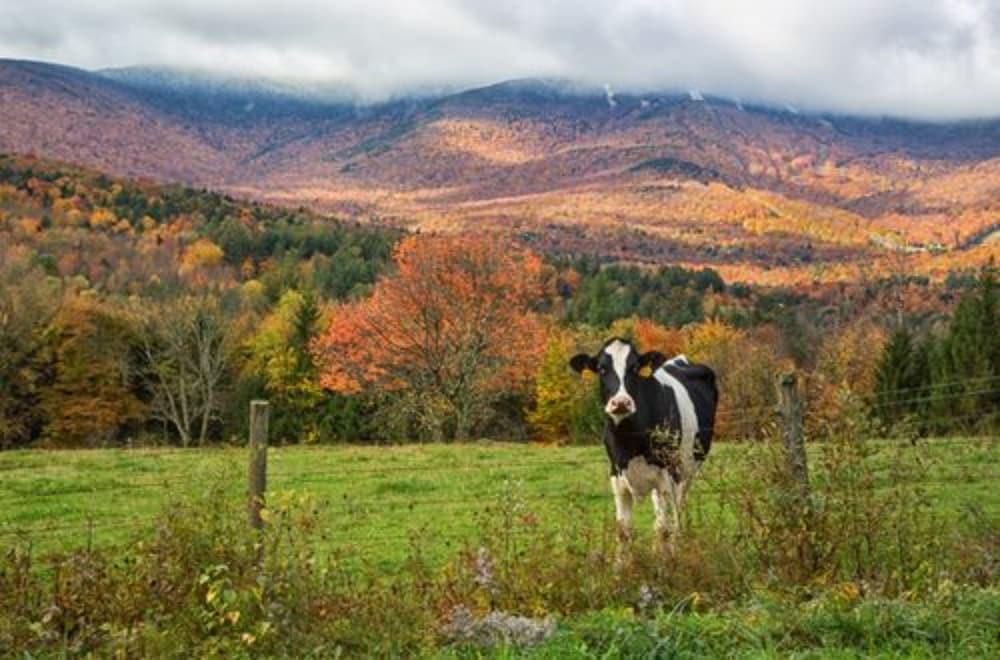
659	428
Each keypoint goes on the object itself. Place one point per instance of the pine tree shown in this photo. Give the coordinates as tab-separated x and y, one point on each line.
305	327
966	362
900	377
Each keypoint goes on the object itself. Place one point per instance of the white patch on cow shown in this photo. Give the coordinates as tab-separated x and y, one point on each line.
641	477
689	420
619	351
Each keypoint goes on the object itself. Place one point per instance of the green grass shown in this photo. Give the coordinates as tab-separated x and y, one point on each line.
383	511
959	624
373	499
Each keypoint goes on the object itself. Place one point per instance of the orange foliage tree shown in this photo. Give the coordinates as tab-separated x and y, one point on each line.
745	364
93	396
448	333
651	336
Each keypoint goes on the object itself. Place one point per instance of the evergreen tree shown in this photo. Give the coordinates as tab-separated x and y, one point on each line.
900	378
966	362
305	326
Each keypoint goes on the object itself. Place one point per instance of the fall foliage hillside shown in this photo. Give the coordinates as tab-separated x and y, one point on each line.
764	195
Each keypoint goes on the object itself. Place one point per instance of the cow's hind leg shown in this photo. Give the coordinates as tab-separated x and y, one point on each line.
662	524
683	489
665	502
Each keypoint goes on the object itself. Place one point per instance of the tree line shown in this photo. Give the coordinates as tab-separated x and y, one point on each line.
131	312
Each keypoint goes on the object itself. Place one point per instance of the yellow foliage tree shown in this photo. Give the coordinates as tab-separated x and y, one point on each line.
565	404
745	366
845	373
199	257
102	218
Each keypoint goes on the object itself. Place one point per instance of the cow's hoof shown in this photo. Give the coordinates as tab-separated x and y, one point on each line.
623	557
665	543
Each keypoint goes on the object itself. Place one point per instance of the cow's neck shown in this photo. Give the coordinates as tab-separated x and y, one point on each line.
635	429
631	432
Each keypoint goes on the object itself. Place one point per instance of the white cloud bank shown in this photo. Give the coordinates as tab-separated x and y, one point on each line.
932	59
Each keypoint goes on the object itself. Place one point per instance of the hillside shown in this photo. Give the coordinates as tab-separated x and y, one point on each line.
761	194
136	237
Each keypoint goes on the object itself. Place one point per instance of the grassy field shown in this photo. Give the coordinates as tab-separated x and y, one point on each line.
401	543
372	499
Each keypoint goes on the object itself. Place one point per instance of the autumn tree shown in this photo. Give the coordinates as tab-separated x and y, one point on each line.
565	405
745	365
93	395
186	349
652	336
843	380
448	333
28	302
279	356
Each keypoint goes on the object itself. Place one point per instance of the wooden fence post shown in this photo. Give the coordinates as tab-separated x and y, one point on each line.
257	474
790	409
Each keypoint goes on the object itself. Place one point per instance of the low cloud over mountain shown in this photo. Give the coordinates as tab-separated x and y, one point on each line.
935	59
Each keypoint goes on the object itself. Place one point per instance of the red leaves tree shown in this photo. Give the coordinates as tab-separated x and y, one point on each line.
447	334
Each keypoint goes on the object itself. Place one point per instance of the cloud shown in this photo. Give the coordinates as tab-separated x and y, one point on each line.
927	59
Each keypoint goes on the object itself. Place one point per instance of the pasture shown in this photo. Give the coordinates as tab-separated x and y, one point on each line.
376	498
148	552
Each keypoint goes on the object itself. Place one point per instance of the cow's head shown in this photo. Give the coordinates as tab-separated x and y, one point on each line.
618	365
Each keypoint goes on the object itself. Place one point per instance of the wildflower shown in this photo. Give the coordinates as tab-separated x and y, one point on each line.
483	570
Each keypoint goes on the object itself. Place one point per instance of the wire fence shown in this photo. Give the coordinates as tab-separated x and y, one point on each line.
465	500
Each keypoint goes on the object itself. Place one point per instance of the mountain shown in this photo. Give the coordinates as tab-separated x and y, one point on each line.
235	100
762	193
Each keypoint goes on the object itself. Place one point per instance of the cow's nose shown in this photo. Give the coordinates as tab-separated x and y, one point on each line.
621	406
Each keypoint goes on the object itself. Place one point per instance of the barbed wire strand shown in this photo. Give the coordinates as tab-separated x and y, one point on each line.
357	506
278	472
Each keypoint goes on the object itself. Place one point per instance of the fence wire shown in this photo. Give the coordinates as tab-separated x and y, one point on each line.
464	501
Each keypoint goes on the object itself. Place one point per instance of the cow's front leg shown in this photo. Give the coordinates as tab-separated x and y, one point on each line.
623	508
667	523
623	516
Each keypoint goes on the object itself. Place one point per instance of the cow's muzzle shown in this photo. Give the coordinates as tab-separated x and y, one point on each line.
620	407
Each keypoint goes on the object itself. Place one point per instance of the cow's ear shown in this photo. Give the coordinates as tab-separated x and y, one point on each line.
582	362
652	359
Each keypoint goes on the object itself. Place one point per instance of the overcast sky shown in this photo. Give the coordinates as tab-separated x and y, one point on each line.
915	58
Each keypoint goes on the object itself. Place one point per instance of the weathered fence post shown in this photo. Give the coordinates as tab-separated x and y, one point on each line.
790	409
257	475
796	465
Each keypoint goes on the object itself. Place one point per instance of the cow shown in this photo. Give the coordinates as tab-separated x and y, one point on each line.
658	432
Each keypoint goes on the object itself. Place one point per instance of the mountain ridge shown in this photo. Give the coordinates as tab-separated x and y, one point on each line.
684	169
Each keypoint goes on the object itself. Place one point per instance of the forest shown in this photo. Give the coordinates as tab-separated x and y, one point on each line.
133	313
